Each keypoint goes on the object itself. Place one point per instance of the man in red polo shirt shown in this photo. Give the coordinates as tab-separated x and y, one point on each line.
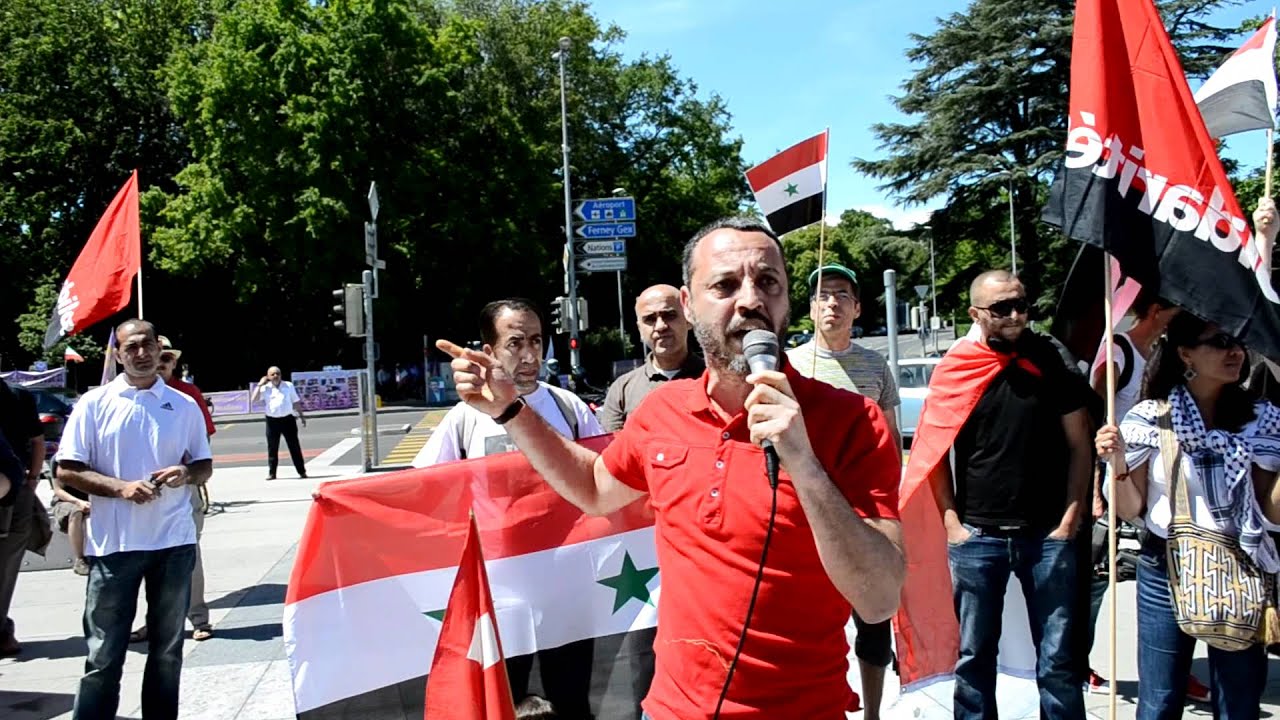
694	447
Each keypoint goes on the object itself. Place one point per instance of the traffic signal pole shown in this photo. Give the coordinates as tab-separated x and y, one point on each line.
571	281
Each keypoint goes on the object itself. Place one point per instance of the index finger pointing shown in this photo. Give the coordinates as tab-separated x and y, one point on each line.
475	356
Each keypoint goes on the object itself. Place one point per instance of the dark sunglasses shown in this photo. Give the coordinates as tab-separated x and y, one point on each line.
1005	308
1220	341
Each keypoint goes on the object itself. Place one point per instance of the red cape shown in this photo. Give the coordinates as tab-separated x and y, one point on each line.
928	634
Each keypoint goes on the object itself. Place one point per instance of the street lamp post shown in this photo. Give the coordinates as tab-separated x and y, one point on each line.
1013	240
571	281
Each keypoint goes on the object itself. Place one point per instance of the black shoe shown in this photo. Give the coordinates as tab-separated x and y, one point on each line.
271	477
302	476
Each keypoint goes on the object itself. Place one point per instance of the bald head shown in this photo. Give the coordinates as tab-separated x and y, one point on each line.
662	325
988	283
273	375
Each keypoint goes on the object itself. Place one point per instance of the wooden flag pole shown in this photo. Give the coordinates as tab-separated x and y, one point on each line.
1270	161
1109	349
822	249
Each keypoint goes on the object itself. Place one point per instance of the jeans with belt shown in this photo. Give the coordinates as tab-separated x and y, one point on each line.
1164	654
1046	568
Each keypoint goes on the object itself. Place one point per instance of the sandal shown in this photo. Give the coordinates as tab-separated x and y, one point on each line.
139	635
203	632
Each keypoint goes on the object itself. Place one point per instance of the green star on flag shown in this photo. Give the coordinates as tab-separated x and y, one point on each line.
791	189
435	614
630	583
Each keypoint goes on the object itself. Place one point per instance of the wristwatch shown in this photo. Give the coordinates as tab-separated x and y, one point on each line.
512	410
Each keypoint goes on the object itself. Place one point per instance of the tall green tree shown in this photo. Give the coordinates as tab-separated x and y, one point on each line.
986	116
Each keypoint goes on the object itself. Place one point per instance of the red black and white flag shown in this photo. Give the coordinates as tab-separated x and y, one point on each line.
101	280
1241	94
1142	179
377	577
790	187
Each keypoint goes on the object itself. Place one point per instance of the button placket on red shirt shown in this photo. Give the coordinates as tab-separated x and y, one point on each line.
713	502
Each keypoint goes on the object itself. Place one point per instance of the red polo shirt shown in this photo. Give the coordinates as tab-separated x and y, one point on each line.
194	393
711	498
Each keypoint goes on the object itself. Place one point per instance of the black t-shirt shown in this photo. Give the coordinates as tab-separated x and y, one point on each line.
1011	454
19	420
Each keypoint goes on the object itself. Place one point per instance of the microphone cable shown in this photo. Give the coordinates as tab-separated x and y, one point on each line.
755	591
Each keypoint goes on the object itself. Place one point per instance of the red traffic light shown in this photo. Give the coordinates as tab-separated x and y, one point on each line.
573	343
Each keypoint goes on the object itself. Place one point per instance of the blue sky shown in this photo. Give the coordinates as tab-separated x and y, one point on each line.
787	70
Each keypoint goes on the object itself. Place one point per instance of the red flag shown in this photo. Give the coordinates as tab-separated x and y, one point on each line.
69	355
468	679
100	281
1142	179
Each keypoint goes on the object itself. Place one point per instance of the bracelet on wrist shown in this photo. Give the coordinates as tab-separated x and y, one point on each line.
512	410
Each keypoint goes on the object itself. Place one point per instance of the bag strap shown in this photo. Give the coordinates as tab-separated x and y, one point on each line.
570	417
1171	455
1126	349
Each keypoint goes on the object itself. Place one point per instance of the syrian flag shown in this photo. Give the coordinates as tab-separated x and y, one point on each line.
70	355
1241	95
1142	179
101	280
791	186
378	560
469	677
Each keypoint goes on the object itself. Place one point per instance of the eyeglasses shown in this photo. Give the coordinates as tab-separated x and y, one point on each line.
1219	341
1005	308
842	296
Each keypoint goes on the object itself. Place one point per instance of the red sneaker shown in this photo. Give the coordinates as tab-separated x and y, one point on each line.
1197	691
1097	683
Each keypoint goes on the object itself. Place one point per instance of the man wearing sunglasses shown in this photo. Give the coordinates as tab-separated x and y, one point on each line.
197	610
1005	405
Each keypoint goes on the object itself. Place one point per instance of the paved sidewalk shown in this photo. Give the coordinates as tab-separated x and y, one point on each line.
241	674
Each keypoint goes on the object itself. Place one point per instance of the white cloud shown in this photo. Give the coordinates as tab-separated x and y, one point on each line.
901	218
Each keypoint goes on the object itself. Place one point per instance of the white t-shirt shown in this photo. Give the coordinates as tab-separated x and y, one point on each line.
126	433
279	400
1130	394
482	436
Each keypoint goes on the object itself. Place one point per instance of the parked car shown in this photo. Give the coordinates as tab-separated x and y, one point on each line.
53	411
913	385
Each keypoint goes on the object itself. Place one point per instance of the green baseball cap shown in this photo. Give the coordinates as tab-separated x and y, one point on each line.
836	270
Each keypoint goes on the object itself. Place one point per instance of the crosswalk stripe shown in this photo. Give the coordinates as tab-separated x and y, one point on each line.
407	449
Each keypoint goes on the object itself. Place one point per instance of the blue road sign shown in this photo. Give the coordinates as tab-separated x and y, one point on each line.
607	209
597	231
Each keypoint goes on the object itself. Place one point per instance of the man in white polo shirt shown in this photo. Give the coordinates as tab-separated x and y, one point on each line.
135	446
282	400
512	332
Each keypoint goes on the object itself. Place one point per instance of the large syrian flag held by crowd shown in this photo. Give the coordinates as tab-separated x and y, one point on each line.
1241	94
1142	178
790	186
379	556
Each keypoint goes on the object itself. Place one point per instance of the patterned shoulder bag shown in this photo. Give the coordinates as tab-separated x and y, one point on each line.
1219	594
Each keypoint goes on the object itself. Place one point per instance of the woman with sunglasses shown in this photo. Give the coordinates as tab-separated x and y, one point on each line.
1230	447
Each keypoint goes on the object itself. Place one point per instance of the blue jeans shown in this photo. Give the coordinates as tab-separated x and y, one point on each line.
1164	656
110	603
1046	568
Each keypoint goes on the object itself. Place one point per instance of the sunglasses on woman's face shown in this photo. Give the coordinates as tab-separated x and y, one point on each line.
1219	341
1005	308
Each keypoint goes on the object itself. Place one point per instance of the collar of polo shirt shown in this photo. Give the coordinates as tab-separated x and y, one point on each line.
122	386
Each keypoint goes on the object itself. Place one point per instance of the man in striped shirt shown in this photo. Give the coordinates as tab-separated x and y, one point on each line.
844	364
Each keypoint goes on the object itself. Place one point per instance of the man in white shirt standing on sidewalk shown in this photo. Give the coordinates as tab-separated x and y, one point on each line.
135	446
282	400
512	332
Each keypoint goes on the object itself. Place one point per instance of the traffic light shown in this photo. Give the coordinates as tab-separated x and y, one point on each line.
582	314
573	343
349	309
560	314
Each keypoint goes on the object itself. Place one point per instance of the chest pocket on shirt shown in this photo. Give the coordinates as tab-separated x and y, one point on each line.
664	462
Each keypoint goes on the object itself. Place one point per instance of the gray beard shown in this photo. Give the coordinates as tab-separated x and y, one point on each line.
717	355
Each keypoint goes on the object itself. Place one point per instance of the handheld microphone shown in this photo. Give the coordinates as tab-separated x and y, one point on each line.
761	350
